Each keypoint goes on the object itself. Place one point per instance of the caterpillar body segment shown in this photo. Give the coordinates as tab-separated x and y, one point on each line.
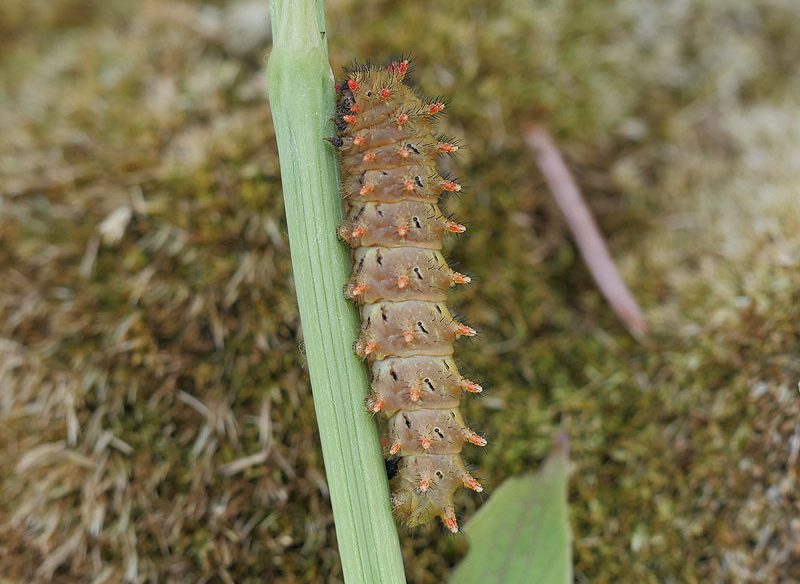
404	224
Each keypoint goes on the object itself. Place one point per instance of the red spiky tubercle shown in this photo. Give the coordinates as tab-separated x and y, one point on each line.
394	225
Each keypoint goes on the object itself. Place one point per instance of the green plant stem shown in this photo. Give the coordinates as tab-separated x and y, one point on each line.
302	103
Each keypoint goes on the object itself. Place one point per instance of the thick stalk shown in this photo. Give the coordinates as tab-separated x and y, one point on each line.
302	103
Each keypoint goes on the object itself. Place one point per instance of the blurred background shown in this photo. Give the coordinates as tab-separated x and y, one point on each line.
156	422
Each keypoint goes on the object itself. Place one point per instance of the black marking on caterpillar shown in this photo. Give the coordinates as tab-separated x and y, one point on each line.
391	466
391	188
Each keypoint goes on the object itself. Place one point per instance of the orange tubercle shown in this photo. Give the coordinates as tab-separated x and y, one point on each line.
368	157
471	386
358	289
476	439
435	108
425	442
358	140
350	119
359	231
451	186
395	448
450	523
401	119
385	93
424	485
370	348
402	282
408	336
446	147
465	330
471	483
352	85
459	278
402	230
355	108
408	185
366	189
454	227
414	394
399	68
377	406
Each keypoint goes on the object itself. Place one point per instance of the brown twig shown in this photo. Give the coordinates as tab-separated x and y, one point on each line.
584	230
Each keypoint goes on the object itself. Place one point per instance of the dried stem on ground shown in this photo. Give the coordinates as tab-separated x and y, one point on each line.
588	237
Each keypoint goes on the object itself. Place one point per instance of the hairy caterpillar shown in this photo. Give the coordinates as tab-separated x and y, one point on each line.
393	224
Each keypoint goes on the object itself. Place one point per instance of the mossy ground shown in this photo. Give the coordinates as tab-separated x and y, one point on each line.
155	417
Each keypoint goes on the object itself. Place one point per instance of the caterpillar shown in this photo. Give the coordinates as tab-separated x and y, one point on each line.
393	224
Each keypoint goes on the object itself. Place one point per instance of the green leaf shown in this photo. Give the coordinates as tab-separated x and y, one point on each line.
521	535
302	102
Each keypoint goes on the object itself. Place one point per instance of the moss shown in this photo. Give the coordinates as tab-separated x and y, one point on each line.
144	355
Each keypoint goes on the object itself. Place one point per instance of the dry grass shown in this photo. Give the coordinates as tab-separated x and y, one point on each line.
155	417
